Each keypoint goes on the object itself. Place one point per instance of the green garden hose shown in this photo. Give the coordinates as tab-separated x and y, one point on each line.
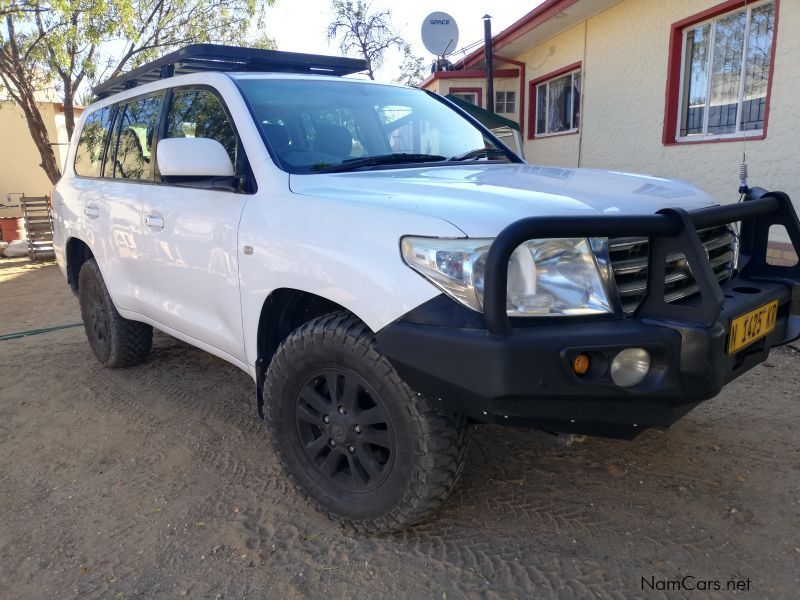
20	334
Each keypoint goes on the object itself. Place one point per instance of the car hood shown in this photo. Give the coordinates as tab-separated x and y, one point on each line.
483	199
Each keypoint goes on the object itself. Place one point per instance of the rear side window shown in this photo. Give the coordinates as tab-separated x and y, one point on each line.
198	113
134	138
89	154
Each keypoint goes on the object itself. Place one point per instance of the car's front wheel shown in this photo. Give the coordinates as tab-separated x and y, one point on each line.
350	432
115	341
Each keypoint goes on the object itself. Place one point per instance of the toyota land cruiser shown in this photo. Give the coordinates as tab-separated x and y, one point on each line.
387	271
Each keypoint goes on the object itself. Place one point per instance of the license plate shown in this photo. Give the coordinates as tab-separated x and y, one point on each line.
751	326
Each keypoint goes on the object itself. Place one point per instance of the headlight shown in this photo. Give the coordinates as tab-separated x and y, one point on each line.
545	277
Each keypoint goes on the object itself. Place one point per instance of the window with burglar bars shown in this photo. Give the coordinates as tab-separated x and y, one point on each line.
558	104
725	73
505	102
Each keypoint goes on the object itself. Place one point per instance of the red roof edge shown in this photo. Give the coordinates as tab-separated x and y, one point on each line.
542	13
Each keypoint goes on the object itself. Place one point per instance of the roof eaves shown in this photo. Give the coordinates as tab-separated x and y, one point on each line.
541	14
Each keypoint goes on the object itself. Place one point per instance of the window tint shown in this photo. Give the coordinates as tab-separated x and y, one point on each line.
198	113
89	154
134	130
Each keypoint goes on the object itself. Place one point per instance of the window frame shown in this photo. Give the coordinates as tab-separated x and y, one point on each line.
533	100
469	90
115	123
243	171
676	72
505	102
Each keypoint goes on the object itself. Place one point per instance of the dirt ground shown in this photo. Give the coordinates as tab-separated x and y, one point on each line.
157	482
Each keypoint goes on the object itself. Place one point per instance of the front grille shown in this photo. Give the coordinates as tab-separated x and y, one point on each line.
629	261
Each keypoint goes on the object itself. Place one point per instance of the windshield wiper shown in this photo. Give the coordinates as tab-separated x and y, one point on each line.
478	153
396	158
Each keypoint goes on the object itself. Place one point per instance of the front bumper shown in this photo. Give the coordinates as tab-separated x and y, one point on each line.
520	372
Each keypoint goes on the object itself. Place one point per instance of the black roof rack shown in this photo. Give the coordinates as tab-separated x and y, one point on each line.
198	58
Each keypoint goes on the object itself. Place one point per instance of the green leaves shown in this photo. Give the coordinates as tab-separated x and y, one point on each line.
67	46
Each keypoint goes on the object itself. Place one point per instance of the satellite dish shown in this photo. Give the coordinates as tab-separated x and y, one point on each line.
440	33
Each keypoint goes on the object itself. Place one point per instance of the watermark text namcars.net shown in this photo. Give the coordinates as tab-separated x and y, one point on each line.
690	583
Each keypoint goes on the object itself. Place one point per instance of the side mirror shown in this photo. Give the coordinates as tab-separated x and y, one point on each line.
193	157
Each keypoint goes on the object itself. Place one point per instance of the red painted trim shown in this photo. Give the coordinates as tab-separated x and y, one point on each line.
476	90
521	103
532	95
557	73
468	74
474	74
673	93
542	13
691	142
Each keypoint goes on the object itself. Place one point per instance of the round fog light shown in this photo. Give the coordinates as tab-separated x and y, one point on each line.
630	367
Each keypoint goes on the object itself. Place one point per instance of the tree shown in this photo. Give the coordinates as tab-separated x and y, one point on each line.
364	32
71	42
21	79
413	68
13	7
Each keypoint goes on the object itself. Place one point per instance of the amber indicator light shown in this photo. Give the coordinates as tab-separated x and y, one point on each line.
581	364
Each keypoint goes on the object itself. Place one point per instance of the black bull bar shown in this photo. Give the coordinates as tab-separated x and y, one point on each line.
670	230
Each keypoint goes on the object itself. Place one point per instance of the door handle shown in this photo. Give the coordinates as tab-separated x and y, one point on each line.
91	211
154	221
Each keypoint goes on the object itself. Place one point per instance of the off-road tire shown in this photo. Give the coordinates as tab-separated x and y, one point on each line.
115	341
429	446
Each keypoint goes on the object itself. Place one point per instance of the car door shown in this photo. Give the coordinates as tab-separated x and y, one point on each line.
192	226
112	204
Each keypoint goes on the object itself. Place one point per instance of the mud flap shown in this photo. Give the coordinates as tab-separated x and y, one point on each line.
261	371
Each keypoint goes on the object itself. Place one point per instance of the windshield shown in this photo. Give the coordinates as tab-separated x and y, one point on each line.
316	125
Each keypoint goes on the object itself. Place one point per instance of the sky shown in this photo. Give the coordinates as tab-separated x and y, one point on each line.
300	25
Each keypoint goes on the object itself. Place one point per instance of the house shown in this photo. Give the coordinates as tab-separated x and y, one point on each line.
20	172
683	88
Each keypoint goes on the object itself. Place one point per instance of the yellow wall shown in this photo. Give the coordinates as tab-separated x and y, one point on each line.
556	53
627	50
625	68
502	84
19	158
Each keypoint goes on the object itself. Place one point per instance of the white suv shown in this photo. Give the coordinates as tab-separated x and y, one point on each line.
388	271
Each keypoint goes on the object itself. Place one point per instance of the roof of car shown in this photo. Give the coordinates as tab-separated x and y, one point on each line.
203	58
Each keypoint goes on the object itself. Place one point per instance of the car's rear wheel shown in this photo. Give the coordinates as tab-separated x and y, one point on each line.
115	341
352	435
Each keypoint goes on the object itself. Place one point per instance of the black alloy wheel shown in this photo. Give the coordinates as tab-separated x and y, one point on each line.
115	341
97	319
345	431
359	443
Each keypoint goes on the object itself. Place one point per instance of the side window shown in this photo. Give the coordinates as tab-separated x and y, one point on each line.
89	154
198	113
134	138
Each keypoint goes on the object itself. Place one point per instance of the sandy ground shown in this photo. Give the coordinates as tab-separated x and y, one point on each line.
157	482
